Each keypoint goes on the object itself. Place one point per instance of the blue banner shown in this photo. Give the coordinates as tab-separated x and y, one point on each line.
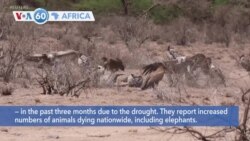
119	116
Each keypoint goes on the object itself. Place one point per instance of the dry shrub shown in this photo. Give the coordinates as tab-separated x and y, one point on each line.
110	51
185	33
137	58
109	36
219	31
181	31
14	58
19	39
87	30
218	34
4	4
228	23
86	47
56	30
64	78
71	42
80	38
107	20
133	31
197	11
6	24
159	34
235	17
224	23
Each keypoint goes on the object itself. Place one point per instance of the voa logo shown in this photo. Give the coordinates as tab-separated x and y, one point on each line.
41	16
23	15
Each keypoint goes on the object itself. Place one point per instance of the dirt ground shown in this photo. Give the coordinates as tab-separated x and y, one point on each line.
224	58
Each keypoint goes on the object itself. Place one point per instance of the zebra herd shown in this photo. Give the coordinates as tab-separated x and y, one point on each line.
112	71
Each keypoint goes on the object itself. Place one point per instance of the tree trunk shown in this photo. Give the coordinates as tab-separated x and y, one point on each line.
125	6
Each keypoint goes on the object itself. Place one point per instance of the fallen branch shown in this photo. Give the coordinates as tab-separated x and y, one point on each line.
195	133
78	86
244	93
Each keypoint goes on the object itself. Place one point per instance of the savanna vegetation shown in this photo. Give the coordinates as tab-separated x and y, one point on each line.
138	32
